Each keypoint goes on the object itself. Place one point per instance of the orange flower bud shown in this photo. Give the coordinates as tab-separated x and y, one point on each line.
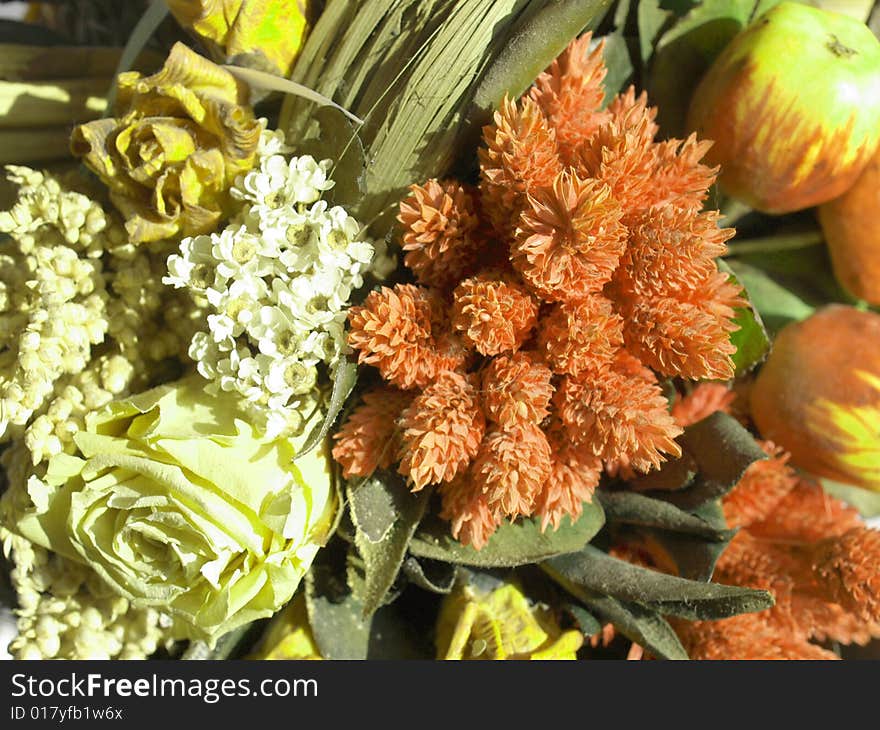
853	237
793	105
818	395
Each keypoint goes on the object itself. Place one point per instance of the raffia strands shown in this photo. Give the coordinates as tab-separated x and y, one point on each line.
764	485
701	402
441	431
570	94
394	330
440	232
848	567
581	336
511	468
618	417
473	520
520	155
570	239
370	437
516	389
493	315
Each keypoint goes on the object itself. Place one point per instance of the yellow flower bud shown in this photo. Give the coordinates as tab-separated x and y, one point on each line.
500	624
818	395
180	138
267	34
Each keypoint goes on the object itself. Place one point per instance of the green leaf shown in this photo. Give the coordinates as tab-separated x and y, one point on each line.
637	623
344	380
776	304
619	64
651	19
865	501
588	624
228	645
336	616
137	41
695	557
600	573
722	451
751	340
430	575
518	543
638	509
385	514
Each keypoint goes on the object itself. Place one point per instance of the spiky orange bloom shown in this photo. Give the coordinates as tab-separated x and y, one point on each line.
569	239
681	180
823	620
807	514
745	637
671	252
511	467
441	430
702	401
370	438
520	154
618	417
848	566
440	232
473	521
686	338
574	476
516	389
621	152
580	336
763	486
493	315
393	331
570	93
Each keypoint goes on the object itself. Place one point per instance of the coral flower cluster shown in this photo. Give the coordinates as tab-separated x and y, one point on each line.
548	300
811	551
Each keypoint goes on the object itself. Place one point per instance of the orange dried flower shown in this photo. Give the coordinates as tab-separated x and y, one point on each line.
511	466
570	238
680	179
473	521
393	331
570	93
848	566
618	417
702	401
441	431
580	336
671	253
621	153
370	439
440	232
824	620
747	637
520	154
516	389
685	338
763	486
807	514
574	476
493	315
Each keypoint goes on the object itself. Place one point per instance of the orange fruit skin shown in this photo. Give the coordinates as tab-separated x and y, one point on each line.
853	234
818	395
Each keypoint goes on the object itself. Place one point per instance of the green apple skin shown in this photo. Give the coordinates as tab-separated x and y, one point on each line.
793	106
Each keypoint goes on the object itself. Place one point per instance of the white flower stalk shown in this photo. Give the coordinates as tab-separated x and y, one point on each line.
66	612
278	280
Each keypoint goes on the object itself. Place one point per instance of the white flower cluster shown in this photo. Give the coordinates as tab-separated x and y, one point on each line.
66	612
52	292
278	279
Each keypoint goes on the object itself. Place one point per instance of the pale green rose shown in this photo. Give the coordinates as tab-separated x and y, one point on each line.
178	503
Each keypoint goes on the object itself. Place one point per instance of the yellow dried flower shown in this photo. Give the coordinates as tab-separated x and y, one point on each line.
180	138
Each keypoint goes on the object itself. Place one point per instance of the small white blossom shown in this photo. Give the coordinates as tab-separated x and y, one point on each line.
278	280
